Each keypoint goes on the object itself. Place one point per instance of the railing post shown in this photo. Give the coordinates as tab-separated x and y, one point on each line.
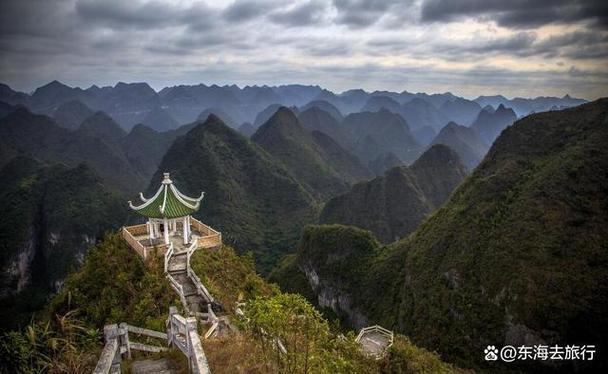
111	332
170	332
124	338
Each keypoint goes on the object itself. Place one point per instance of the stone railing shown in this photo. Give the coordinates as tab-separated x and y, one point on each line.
385	333
168	255
209	237
118	344
183	334
127	234
201	289
130	234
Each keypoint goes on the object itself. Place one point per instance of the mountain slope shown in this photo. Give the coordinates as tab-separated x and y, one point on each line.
24	133
51	215
248	196
460	110
315	119
420	113
393	205
517	255
71	114
317	161
102	126
465	141
490	124
373	134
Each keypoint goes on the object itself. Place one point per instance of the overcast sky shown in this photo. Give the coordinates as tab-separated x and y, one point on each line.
468	47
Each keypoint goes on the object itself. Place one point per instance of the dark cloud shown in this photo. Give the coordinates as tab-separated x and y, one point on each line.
517	43
363	13
329	42
245	10
519	13
143	14
308	13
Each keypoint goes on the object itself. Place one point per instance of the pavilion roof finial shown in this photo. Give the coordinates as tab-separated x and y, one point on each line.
166	179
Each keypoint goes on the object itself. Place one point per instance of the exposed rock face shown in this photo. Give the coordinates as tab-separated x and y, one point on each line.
392	206
332	274
52	215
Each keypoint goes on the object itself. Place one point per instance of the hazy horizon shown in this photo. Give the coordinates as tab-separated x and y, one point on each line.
158	89
469	48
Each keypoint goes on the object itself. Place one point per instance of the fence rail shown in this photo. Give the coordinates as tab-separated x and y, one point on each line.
134	243
181	333
200	288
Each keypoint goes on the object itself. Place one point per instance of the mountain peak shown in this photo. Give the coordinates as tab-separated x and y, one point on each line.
438	155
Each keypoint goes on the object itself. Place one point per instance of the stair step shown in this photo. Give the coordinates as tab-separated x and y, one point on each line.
176	267
159	366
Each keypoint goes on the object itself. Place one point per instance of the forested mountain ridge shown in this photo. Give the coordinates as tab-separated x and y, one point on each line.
248	194
393	205
516	256
314	159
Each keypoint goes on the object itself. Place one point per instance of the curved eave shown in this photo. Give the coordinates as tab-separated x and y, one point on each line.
168	202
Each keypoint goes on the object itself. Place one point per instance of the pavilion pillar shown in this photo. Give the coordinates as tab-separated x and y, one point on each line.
166	228
151	230
188	225
185	229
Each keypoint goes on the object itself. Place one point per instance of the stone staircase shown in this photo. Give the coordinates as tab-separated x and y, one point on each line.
158	366
177	269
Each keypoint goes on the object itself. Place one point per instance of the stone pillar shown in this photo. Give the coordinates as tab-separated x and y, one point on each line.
166	227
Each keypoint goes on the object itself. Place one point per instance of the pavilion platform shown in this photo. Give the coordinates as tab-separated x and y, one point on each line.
138	238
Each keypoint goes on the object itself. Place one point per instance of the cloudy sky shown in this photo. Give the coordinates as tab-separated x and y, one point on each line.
469	47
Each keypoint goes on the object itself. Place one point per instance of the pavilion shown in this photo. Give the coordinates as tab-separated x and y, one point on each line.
169	221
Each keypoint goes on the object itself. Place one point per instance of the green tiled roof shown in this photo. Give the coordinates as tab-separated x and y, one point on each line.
168	202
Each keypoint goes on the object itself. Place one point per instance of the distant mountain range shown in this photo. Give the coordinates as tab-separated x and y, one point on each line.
133	103
299	150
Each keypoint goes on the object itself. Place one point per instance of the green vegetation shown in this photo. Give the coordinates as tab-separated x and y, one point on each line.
403	357
51	214
249	197
393	205
315	160
291	279
113	285
517	255
230	278
310	345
